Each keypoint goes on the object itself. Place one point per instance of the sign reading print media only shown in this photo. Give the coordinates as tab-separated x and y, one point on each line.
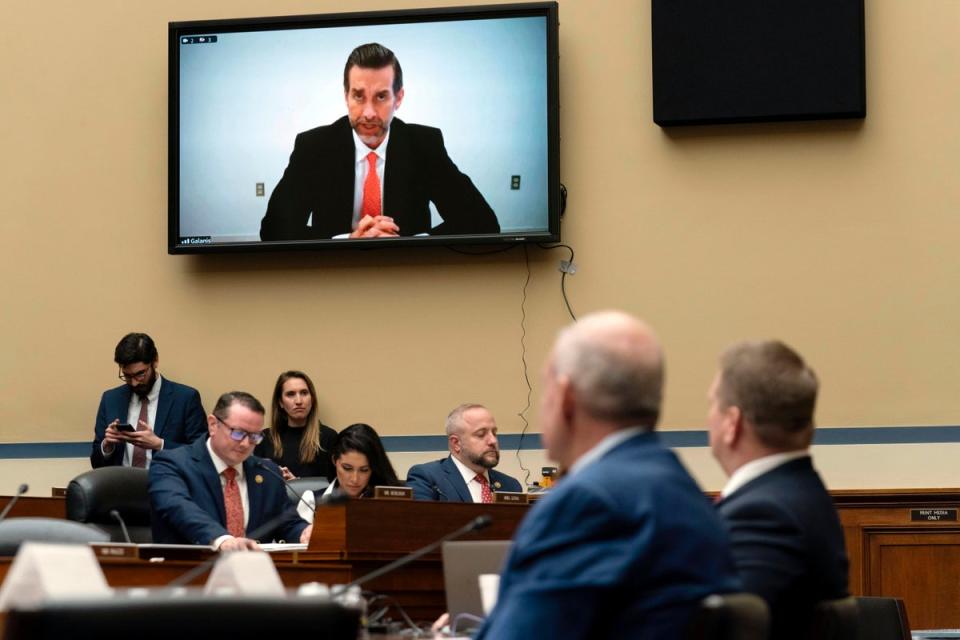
933	515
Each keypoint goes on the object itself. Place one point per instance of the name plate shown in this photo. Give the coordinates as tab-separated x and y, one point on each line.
115	550
393	493
509	497
933	515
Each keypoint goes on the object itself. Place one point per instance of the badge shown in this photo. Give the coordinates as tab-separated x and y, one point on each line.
258	479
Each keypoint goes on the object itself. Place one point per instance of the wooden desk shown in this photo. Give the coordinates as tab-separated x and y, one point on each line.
35	507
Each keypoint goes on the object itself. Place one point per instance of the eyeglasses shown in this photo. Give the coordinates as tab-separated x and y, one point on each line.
139	375
237	435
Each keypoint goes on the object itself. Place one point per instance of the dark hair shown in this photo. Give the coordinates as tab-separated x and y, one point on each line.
310	442
231	398
363	438
135	347
774	389
373	56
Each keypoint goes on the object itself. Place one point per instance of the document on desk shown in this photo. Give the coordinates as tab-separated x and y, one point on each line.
935	634
271	547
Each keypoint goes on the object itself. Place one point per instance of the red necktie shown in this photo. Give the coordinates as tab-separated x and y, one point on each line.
233	503
486	496
371	189
139	453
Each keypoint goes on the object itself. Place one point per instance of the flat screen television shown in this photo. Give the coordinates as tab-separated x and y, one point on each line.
392	128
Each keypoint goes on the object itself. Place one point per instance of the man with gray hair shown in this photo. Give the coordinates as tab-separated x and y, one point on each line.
787	540
626	545
467	474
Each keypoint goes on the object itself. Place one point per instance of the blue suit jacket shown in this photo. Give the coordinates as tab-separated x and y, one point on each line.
441	480
186	498
787	543
180	418
624	548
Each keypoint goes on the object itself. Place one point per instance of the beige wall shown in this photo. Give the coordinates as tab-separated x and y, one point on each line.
838	237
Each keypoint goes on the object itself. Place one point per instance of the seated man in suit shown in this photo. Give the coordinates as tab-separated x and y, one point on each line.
165	414
215	492
625	545
467	474
370	175
787	541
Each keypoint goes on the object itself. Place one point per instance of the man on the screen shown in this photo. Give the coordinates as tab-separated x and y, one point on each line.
370	175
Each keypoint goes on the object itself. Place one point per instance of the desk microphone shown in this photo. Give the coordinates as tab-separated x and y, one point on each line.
123	525
478	523
22	489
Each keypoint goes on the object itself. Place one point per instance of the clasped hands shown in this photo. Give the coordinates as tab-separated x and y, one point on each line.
376	227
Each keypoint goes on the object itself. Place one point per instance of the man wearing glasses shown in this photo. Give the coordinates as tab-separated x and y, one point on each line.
146	414
215	492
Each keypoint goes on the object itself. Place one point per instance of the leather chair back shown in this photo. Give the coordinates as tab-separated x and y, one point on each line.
836	620
93	494
882	619
14	531
731	616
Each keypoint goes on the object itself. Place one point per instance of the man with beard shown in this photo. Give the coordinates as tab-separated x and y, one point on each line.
467	475
339	182
163	413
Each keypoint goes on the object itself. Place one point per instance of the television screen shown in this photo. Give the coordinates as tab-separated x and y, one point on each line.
388	128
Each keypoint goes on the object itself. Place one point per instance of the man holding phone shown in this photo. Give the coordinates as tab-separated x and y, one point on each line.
145	414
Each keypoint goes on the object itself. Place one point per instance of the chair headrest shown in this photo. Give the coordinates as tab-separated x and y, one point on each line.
93	494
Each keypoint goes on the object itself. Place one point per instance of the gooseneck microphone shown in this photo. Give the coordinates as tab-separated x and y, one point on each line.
263	465
123	525
478	523
440	494
22	489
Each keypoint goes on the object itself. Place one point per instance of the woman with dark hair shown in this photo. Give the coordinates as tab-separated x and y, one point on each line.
361	464
296	439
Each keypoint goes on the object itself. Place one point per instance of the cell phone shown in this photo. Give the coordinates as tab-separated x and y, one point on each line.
125	426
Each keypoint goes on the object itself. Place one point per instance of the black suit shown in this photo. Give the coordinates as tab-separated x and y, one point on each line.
787	544
320	177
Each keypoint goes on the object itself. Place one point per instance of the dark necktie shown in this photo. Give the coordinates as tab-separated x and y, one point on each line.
139	453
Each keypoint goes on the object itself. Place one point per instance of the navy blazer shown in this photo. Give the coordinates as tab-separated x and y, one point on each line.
319	180
186	498
624	548
441	480
788	544
180	418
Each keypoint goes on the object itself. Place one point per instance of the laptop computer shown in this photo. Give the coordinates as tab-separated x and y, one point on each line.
463	562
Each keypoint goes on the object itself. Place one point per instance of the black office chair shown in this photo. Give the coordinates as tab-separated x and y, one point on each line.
163	618
882	619
14	531
317	484
731	616
93	494
836	620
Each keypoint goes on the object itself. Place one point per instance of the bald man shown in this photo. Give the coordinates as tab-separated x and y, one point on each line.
625	546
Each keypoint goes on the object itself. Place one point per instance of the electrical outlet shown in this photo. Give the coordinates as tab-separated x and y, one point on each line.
260	190
514	182
568	267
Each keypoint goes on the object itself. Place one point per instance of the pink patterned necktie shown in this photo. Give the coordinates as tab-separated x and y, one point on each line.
139	453
486	496
233	503
371	189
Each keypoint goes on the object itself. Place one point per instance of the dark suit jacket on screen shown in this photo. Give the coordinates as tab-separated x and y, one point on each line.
186	499
787	543
319	180
441	480
624	548
180	418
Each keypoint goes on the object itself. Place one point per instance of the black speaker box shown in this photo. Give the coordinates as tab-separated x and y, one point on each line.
721	61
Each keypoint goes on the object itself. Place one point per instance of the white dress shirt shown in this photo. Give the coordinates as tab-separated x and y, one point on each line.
470	477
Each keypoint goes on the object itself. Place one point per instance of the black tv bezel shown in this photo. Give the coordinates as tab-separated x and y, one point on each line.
176	30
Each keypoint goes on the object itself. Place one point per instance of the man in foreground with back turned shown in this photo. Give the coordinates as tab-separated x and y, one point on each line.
626	545
787	540
215	492
467	474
